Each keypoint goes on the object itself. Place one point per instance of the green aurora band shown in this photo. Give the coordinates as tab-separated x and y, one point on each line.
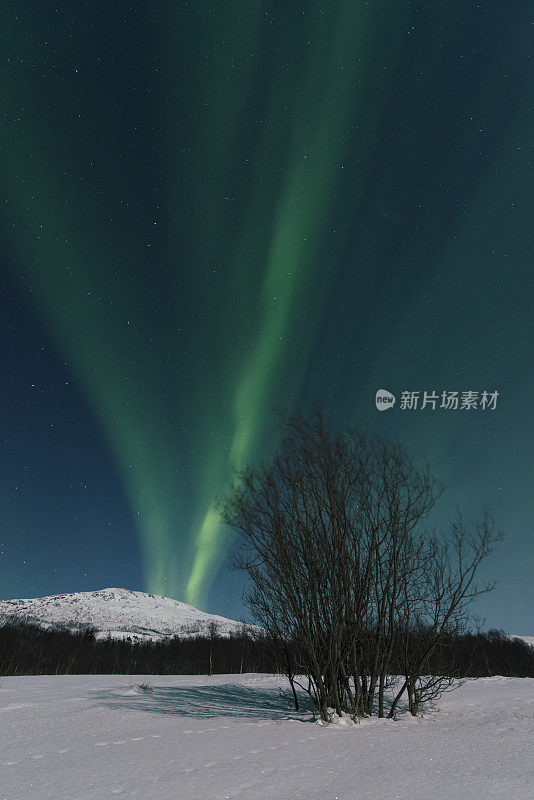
220	210
182	410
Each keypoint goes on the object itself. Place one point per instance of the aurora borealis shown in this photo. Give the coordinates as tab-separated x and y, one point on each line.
216	211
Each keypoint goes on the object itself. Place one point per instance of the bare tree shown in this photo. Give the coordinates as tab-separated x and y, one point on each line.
341	574
437	606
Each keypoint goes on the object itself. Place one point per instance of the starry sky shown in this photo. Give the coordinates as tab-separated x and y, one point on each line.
213	213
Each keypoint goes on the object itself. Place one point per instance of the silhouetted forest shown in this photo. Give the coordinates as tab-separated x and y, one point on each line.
27	649
30	650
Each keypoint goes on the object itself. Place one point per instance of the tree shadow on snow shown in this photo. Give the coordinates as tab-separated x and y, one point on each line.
227	700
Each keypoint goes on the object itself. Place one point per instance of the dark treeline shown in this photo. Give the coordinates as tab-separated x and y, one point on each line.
478	655
27	649
30	650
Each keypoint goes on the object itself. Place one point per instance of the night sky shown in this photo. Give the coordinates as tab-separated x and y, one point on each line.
214	212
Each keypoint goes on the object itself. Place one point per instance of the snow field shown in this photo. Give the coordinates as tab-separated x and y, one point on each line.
226	737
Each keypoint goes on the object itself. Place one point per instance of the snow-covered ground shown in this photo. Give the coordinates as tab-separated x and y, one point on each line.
215	738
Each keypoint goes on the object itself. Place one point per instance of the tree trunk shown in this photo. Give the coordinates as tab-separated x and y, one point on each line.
381	689
295	698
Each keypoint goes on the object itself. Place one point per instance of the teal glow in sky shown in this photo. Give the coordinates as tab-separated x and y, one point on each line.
215	212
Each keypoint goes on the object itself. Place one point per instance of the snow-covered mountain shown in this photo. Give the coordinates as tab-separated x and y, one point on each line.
528	639
118	613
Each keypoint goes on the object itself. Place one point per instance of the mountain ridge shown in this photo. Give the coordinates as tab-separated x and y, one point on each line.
119	613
